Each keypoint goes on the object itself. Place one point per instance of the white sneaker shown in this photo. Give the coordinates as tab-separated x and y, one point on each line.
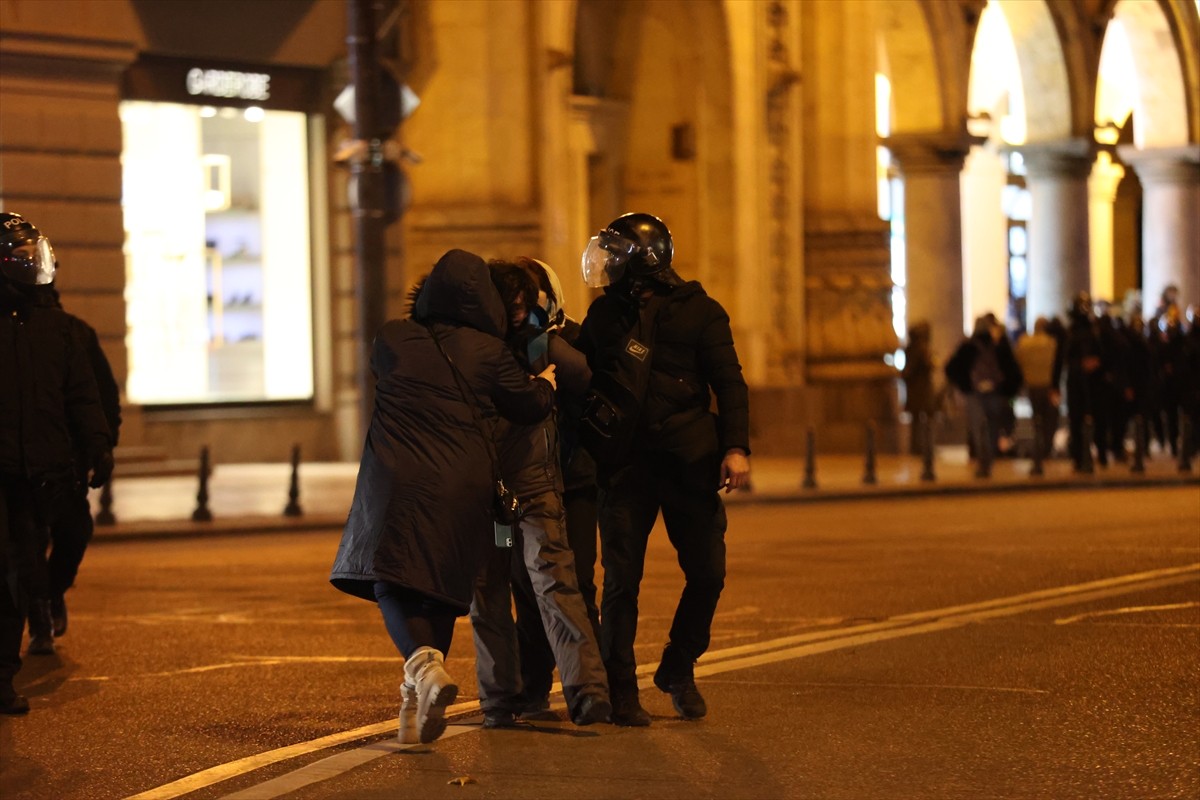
435	690
408	714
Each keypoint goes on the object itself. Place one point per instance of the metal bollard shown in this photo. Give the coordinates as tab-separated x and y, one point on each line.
292	509
105	515
927	473
202	514
1185	443
1036	471
1086	465
1138	466
810	460
869	466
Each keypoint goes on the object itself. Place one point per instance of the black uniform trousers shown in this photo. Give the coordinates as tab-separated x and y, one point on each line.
694	516
23	539
70	535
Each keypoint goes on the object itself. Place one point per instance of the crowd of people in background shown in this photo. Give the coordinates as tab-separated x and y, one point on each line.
1104	367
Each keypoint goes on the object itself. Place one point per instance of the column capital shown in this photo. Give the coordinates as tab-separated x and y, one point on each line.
1069	158
926	153
1163	164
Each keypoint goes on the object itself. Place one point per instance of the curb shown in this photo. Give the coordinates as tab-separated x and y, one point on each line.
978	486
151	530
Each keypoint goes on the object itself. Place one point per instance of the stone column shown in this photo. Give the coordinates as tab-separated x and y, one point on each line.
1170	179
1056	175
1102	191
933	243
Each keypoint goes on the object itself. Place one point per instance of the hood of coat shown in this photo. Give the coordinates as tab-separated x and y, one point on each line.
460	290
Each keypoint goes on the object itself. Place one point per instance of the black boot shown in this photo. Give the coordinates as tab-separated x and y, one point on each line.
10	701
58	615
675	677
627	711
41	629
591	708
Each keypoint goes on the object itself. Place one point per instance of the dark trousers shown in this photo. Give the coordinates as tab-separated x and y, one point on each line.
22	566
69	537
536	655
415	620
1083	394
539	569
694	516
1045	411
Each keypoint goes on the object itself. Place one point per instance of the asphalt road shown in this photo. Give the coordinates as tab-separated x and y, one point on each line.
1020	645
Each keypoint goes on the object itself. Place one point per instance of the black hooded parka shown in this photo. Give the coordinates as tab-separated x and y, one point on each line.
421	514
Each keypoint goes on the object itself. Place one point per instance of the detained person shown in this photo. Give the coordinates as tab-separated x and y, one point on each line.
540	570
659	349
420	523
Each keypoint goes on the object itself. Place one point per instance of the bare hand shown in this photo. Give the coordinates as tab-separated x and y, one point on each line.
735	470
548	375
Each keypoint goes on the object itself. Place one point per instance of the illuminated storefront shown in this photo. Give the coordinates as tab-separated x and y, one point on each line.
216	204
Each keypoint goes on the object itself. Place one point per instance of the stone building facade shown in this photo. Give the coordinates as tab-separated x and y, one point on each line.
754	128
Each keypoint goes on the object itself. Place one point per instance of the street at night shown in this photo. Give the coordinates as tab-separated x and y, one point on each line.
1000	645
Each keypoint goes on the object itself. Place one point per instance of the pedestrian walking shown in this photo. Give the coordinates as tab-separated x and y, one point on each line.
922	400
420	523
1085	380
658	345
985	370
1040	361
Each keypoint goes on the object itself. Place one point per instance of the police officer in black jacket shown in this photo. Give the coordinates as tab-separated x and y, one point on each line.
659	348
73	526
51	409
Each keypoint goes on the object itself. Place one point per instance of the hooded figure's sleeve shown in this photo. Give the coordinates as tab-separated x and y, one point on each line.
518	397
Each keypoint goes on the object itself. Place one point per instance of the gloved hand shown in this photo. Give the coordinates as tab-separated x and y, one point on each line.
102	469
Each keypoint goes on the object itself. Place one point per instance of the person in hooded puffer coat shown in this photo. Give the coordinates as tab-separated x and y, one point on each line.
420	523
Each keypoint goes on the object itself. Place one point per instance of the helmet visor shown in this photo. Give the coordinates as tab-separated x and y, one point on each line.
605	258
28	261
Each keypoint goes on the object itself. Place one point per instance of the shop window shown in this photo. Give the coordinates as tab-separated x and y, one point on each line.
218	284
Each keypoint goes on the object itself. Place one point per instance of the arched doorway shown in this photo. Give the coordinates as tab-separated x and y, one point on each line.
654	127
1016	262
1142	108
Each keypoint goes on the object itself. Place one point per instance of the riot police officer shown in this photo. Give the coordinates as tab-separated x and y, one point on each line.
51	410
659	349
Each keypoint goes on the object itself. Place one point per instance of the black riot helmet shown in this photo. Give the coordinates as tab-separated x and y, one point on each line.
634	247
25	254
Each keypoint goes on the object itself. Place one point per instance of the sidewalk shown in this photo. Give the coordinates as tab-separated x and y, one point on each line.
247	498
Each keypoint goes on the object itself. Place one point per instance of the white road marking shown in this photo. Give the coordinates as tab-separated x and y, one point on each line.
713	663
247	661
847	685
335	765
1130	610
223	772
